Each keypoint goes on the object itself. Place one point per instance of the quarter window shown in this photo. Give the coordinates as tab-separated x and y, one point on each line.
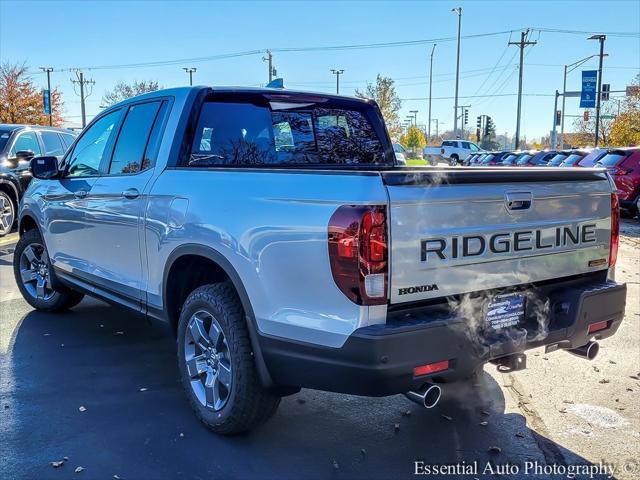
52	144
88	152
128	154
26	141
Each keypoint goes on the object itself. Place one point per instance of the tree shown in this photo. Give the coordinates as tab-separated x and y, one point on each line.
21	101
384	93
413	140
625	130
586	128
123	90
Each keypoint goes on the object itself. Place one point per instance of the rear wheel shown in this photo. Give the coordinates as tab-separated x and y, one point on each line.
33	273
7	213
216	362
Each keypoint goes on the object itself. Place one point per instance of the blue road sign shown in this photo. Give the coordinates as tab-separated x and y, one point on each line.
46	102
588	94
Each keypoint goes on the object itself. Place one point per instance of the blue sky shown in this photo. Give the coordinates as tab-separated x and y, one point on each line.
102	33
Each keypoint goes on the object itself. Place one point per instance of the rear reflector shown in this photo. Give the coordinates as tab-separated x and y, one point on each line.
615	229
596	327
431	368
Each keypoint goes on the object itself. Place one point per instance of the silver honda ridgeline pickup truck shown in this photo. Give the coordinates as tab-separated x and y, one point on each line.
273	232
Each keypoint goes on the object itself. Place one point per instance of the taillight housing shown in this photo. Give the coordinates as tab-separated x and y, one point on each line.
615	229
357	239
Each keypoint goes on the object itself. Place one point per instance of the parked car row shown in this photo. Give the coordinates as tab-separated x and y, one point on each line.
18	145
622	163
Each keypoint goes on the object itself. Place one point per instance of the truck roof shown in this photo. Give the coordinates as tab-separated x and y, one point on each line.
183	92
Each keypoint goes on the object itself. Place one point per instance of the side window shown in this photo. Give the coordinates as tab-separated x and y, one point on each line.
448	144
26	141
465	145
52	144
128	154
87	154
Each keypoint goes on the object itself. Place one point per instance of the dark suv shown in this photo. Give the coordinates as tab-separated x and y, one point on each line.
18	145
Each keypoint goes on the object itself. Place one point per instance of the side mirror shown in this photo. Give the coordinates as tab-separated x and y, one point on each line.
24	154
44	168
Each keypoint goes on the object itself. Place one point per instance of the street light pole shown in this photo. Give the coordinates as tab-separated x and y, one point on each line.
415	117
521	45
337	73
430	83
457	10
601	39
568	69
190	71
48	71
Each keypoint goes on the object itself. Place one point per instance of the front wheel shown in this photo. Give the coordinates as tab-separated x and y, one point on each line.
33	273
453	161
216	362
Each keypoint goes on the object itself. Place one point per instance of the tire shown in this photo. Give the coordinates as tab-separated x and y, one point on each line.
215	312
7	213
453	161
31	261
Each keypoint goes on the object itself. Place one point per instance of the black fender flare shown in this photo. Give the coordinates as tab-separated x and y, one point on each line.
225	265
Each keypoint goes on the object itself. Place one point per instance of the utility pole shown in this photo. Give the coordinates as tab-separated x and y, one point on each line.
48	71
190	71
457	10
430	82
269	60
521	45
337	73
82	82
601	39
554	140
437	132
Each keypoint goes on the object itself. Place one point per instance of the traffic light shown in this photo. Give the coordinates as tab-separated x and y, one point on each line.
585	115
606	88
466	116
489	127
558	117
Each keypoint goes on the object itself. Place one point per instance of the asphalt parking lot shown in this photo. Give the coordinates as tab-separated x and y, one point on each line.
99	387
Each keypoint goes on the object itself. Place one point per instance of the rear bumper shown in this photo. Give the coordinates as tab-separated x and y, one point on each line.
379	360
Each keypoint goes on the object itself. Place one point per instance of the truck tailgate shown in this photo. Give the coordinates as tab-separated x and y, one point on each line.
463	230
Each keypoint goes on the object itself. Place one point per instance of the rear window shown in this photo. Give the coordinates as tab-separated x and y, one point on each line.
592	158
488	158
280	133
523	159
610	159
572	159
558	159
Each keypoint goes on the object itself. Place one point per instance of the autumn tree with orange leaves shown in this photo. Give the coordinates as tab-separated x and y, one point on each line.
21	100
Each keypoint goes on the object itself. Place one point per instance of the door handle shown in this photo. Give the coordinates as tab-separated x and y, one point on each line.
81	194
131	193
515	201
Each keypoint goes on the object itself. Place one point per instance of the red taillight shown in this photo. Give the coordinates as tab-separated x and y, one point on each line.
596	327
619	171
431	368
615	229
358	252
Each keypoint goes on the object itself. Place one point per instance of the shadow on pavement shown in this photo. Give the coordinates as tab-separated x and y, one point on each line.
100	357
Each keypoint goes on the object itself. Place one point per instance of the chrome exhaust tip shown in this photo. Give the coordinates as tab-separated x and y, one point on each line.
588	351
428	396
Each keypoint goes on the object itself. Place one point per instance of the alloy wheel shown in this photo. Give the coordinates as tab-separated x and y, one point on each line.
207	359
34	272
7	215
